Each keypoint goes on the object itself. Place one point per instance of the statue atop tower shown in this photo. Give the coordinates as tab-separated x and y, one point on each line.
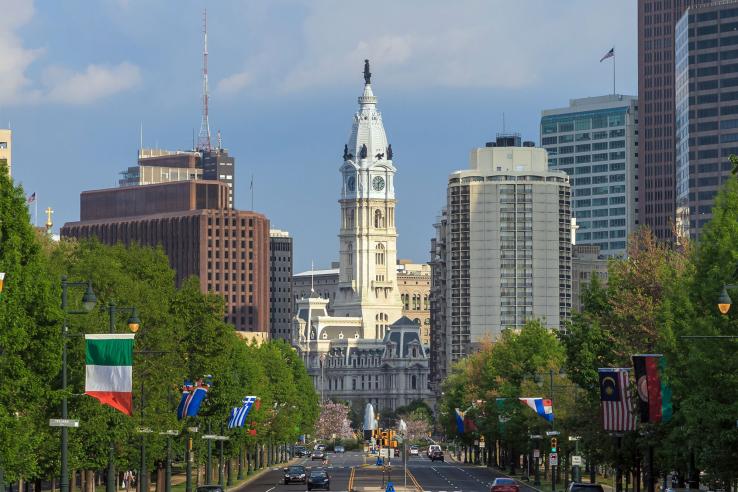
367	73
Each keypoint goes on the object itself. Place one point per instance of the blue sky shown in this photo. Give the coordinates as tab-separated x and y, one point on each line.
78	78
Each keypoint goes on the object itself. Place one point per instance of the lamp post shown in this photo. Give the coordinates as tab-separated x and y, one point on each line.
133	324
88	302
724	300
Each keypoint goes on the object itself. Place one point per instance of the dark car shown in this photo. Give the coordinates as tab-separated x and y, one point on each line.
300	451
584	487
436	454
339	449
295	473
318	479
210	488
505	485
317	455
322	447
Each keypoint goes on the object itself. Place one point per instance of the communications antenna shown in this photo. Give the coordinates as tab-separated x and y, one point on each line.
203	139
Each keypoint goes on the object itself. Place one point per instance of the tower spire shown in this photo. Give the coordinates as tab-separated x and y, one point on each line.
203	139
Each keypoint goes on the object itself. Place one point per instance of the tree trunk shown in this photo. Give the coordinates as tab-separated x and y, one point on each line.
160	478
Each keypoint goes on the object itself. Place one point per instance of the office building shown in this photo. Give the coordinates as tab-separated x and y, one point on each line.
507	247
228	250
218	165
586	262
656	130
162	166
6	148
706	75
413	281
595	141
365	351
280	284
438	303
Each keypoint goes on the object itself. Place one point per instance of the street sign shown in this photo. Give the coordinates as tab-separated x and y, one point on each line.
575	438
537	436
215	437
536	453
192	429
63	423
143	430
553	459
552	433
576	460
169	433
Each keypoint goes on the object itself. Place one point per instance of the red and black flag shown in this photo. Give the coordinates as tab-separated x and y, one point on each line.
654	395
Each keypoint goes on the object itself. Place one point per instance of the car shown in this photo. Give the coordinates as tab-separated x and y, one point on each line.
437	454
584	487
321	447
318	479
414	451
339	449
210	488
505	485
300	451
433	447
317	455
295	473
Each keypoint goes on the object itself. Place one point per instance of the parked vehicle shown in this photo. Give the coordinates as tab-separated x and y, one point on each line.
505	485
300	451
318	479
296	473
584	487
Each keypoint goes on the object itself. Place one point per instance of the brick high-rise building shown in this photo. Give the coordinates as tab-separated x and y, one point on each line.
228	250
656	127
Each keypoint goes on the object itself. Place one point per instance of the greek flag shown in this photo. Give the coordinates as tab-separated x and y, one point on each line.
239	414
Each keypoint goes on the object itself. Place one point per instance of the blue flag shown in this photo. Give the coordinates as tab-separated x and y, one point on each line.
239	414
459	420
192	397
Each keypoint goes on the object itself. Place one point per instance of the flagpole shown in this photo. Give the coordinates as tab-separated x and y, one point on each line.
613	71
252	191
35	212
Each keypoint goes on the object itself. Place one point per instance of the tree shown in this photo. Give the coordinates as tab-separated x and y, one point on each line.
334	419
418	424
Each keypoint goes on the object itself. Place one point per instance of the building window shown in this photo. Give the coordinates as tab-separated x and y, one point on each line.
378	219
379	255
414	382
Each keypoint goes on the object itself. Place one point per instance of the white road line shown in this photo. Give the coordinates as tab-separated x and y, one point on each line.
270	490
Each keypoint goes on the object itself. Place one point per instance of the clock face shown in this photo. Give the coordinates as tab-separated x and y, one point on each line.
378	183
351	183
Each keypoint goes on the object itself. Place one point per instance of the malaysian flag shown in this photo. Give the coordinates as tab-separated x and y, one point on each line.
617	407
609	54
239	414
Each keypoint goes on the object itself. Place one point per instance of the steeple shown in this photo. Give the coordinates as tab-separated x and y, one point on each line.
367	128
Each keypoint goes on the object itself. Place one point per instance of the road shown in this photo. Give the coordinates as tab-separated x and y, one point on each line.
431	476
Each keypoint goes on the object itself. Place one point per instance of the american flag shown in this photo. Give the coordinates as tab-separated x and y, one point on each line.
31	198
609	54
617	407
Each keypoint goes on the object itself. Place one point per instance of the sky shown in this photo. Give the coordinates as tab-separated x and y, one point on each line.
80	79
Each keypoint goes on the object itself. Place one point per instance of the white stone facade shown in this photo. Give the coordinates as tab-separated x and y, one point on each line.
364	351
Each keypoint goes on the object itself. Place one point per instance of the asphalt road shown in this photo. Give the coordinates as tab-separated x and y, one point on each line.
436	476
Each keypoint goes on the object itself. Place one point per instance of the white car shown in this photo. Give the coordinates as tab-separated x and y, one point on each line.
414	451
433	447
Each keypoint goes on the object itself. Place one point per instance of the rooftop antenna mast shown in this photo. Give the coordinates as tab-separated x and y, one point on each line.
203	139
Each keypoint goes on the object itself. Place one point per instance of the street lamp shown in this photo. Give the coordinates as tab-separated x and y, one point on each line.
724	300
88	302
134	323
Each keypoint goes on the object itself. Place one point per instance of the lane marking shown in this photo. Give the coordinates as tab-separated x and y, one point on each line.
270	490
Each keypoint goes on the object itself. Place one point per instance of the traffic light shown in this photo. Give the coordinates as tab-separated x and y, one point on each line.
385	438
554	444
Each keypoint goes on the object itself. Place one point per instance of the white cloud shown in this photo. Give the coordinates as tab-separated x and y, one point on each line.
436	43
96	82
57	84
234	83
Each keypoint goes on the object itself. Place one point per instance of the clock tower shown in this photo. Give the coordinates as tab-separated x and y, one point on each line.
367	283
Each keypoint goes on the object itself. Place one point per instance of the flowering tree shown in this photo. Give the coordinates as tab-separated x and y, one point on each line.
418	425
334	419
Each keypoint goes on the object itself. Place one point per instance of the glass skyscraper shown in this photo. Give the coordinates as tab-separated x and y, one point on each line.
595	141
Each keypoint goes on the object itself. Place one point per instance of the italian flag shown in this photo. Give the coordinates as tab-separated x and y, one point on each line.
109	370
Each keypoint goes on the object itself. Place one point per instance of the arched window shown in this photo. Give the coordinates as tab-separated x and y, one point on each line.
416	321
378	219
425	302
379	254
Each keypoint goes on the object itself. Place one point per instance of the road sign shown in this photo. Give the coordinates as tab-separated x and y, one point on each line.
553	459
143	430
552	433
536	453
169	433
576	460
537	436
575	438
215	437
63	423
192	429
